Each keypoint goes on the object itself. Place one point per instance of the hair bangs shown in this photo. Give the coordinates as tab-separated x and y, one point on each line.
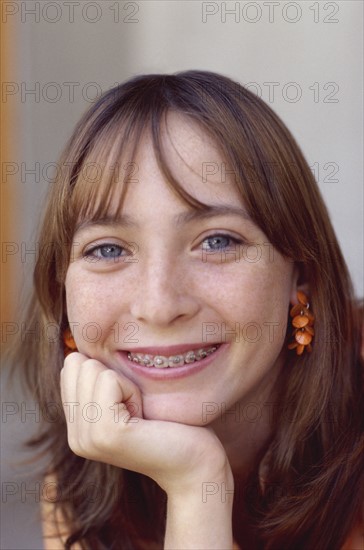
106	172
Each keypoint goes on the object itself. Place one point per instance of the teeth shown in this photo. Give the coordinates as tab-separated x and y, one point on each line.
201	353
175	360
162	362
190	357
146	360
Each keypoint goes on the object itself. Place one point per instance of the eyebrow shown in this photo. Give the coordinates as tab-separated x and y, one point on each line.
184	218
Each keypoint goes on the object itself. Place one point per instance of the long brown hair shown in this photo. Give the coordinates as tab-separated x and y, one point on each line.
315	466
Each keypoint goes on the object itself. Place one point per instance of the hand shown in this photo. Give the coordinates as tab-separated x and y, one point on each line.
112	430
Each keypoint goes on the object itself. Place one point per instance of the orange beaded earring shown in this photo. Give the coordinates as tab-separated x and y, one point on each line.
69	342
302	323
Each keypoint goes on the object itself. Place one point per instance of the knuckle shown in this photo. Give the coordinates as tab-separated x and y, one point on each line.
89	363
107	374
71	360
92	364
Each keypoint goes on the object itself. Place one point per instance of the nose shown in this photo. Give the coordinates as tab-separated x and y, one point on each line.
162	294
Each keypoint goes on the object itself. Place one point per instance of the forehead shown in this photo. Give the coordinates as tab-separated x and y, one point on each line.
194	159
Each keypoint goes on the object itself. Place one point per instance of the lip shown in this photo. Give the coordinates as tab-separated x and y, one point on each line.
171	373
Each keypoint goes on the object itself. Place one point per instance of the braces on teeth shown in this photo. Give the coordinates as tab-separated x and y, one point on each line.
162	362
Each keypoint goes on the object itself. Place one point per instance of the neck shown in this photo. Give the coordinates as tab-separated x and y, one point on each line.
245	439
245	428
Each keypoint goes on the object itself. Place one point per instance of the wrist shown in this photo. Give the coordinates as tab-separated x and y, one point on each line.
207	486
200	515
213	471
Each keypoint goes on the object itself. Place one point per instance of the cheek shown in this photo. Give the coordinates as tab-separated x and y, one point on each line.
251	300
91	307
249	290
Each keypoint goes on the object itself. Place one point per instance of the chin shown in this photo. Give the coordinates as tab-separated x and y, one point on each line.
155	408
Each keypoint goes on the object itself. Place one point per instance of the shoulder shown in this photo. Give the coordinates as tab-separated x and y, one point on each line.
54	527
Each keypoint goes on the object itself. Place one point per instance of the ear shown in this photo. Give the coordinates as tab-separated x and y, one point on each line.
299	282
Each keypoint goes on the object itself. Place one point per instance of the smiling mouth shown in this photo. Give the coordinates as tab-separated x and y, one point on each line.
171	361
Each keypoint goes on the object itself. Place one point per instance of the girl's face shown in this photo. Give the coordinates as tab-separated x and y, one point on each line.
170	279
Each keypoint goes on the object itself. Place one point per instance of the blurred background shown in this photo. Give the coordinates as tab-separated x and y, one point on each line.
304	58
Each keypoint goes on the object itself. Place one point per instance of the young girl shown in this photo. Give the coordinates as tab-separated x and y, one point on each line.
211	393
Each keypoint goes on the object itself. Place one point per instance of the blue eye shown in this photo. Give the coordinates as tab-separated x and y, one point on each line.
104	252
220	242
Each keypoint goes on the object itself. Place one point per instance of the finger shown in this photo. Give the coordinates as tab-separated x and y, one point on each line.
69	375
113	388
78	377
88	410
68	382
88	372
